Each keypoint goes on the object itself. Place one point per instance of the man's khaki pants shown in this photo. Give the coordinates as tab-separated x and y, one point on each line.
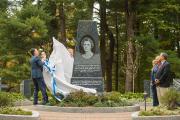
161	91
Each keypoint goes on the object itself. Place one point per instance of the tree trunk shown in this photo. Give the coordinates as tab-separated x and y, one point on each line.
155	31
61	23
137	54
103	35
117	56
178	38
110	59
130	48
178	46
91	8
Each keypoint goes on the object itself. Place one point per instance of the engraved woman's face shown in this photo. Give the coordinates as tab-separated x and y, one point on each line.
87	46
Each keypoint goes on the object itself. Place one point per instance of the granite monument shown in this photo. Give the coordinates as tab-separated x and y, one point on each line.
87	64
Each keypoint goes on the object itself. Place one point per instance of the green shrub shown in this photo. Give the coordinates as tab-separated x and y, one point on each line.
123	99
62	104
81	99
171	98
5	100
100	104
113	96
16	96
116	96
159	111
39	96
52	101
125	102
13	96
130	95
14	111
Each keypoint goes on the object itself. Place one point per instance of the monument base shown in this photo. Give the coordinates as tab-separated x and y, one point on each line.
89	82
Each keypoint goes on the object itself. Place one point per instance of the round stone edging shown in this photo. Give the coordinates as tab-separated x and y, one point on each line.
34	116
87	109
135	116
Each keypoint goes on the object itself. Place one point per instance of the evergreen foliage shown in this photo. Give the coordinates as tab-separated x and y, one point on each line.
155	27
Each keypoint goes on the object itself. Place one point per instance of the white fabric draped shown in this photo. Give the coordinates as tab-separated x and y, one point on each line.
61	59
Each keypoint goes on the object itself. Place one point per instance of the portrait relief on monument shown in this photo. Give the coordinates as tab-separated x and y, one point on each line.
87	47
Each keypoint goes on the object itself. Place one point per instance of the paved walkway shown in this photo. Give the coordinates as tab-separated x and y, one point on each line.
84	116
48	115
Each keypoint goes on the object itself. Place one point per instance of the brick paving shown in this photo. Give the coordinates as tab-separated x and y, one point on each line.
84	116
48	115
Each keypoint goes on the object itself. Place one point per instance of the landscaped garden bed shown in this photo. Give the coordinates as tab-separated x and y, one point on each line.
169	110
112	99
9	112
14	111
159	113
80	102
8	98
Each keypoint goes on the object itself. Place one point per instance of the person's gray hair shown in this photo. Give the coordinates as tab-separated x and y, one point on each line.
165	55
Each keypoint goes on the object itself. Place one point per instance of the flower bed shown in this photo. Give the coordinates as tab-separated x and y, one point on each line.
8	112
157	113
22	115
112	99
135	116
14	111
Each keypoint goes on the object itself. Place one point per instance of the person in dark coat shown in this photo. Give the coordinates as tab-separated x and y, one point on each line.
156	63
37	76
163	77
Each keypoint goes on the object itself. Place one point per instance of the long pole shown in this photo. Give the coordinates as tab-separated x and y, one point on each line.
145	103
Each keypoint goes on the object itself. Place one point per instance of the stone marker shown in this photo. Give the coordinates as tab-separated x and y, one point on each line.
87	64
2	86
25	88
147	87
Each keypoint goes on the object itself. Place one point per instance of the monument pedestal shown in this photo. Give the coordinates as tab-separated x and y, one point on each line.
89	82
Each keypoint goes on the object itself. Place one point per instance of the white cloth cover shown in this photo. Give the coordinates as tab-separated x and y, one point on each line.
62	61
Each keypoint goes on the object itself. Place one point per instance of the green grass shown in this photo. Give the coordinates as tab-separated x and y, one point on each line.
14	111
5	100
170	99
14	96
8	99
159	111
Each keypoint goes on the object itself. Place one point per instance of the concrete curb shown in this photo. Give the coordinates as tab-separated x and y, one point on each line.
35	116
135	116
86	109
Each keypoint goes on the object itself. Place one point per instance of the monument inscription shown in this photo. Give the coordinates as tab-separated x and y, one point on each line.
87	66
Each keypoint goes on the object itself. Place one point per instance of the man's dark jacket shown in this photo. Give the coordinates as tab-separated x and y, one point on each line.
163	75
36	67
